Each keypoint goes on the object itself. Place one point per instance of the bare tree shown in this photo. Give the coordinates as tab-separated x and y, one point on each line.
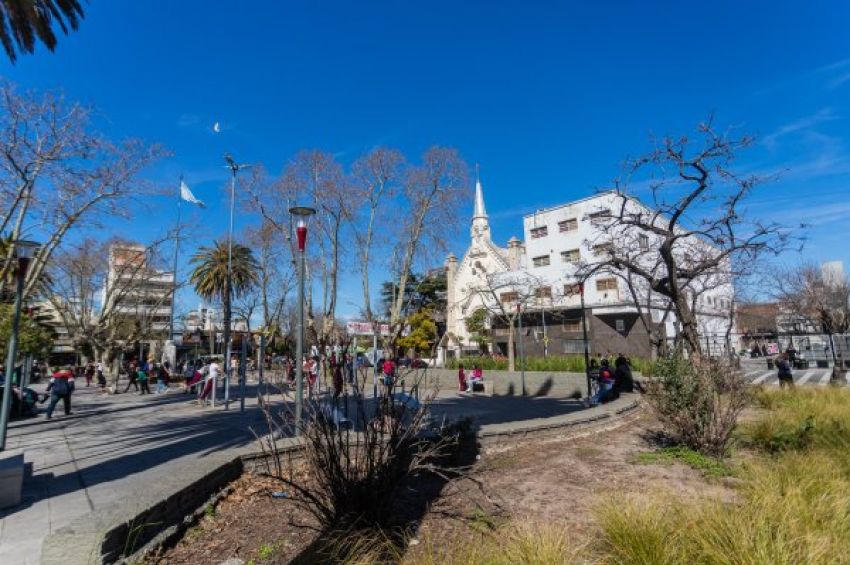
106	305
56	174
697	227
275	277
433	192
375	176
819	298
505	296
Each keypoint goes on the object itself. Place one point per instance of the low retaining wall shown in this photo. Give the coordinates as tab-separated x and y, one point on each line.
509	383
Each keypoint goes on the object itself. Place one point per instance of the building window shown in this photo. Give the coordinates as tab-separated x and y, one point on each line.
507	297
600	218
603	249
543	292
572	290
542	231
572	325
643	242
568	225
620	325
571	256
541	261
606	284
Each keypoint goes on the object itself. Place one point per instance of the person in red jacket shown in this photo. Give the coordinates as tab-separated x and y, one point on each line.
61	386
461	378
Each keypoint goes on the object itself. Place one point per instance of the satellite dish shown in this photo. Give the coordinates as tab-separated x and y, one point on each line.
217	127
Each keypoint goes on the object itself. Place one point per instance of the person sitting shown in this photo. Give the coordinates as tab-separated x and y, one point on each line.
476	377
606	383
623	379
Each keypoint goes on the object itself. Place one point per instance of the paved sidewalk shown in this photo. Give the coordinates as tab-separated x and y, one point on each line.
117	455
113	457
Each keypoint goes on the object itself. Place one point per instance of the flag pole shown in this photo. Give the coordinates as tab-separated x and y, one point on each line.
176	249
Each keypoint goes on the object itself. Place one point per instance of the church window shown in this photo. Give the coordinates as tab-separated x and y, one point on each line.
606	284
542	231
541	261
572	325
570	256
643	242
568	225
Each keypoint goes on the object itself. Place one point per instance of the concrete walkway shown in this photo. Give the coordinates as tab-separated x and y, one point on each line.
118	455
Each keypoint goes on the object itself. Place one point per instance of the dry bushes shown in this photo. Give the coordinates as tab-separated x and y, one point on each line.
698	401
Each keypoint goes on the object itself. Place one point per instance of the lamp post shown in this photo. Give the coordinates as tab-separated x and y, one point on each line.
584	334
234	169
24	251
521	348
302	213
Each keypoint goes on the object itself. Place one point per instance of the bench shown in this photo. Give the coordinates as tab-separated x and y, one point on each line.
484	387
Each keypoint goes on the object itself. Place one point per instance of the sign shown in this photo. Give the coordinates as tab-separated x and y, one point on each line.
365	328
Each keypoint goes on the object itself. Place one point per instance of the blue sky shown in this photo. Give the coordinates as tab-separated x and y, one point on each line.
548	97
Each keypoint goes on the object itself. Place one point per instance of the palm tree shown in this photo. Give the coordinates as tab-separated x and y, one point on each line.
28	21
209	276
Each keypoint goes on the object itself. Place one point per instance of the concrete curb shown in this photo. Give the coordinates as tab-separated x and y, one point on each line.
214	486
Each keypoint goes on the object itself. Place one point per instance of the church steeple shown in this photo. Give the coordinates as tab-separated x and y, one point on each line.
480	223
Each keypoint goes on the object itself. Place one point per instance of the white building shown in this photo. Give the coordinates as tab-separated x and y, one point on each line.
136	289
540	274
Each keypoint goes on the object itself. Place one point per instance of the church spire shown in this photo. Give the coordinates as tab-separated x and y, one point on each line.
480	211
480	223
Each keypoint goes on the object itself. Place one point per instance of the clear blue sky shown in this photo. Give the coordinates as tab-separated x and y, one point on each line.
548	98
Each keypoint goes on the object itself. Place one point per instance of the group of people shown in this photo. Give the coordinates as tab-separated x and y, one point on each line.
467	382
610	381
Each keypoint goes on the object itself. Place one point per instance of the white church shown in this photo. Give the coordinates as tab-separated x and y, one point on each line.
533	283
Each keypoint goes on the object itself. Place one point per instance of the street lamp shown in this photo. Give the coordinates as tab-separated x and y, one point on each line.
521	348
584	334
234	169
303	213
24	251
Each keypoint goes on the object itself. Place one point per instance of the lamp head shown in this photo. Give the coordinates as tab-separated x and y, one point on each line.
303	213
25	249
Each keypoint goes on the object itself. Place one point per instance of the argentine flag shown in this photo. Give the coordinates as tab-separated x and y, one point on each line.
187	195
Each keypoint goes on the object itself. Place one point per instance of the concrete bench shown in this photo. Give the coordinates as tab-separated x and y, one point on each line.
11	479
483	387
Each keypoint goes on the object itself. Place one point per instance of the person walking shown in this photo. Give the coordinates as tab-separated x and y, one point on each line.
61	386
162	378
89	373
101	379
142	376
132	377
783	366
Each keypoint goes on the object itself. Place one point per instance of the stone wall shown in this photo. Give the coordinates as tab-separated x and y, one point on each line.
537	383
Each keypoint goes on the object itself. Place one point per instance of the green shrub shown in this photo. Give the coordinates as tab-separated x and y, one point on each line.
710	466
698	401
555	363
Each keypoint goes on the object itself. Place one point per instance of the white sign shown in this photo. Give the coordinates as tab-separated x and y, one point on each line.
365	328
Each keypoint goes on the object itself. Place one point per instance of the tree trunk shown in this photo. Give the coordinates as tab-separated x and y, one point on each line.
511	363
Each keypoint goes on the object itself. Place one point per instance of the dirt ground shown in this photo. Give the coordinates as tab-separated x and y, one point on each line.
547	479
